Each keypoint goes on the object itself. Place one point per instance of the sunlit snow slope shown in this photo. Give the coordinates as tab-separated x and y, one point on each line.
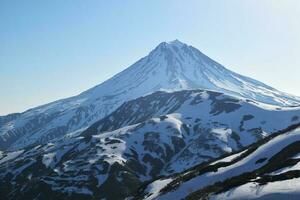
170	66
158	134
269	169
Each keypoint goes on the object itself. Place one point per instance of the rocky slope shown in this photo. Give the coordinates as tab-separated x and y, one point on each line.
268	169
156	135
170	66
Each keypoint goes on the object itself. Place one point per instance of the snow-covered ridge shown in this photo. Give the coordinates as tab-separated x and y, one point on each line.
154	135
170	66
267	170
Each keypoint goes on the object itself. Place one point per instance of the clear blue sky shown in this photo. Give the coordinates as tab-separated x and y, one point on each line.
55	49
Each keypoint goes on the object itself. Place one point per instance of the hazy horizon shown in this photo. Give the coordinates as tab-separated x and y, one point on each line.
53	50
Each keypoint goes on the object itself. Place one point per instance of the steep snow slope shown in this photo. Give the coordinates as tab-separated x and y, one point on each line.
159	134
267	170
170	66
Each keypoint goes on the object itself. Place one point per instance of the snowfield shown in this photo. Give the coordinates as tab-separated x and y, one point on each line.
250	163
175	124
171	66
273	191
155	135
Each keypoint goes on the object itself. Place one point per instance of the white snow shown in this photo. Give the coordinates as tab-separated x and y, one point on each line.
247	164
229	158
297	156
254	191
48	159
10	156
171	66
155	187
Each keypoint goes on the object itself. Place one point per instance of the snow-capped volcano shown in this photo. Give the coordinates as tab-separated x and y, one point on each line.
170	66
174	66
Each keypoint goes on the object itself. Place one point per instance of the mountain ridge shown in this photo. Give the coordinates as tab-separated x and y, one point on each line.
158	134
170	67
234	178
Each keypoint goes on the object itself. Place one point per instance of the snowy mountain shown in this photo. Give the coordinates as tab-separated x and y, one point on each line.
156	135
269	169
170	66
